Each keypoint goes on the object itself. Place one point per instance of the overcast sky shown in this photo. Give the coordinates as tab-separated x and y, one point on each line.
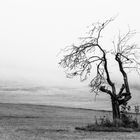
33	31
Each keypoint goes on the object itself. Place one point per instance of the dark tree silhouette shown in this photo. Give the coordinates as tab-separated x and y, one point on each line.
90	55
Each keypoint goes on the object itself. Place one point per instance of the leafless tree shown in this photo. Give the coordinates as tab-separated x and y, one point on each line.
82	59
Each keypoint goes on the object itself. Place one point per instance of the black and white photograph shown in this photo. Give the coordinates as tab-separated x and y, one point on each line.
69	70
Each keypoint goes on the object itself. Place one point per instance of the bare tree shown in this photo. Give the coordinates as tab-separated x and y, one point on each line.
82	59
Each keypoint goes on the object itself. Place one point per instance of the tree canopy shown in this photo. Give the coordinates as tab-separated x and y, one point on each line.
81	60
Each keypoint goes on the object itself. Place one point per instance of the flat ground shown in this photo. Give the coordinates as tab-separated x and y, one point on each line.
38	122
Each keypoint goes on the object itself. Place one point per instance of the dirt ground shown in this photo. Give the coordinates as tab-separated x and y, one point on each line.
38	122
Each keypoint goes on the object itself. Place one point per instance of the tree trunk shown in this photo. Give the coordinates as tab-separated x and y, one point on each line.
115	111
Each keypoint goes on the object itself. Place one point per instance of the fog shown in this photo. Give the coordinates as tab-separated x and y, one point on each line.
32	32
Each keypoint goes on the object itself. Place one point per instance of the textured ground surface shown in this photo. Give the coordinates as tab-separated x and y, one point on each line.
34	122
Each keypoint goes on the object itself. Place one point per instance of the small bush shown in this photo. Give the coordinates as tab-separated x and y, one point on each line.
125	124
127	119
105	122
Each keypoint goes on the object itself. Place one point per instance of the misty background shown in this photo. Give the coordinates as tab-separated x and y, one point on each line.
32	33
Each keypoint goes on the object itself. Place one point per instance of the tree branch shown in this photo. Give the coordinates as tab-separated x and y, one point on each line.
103	89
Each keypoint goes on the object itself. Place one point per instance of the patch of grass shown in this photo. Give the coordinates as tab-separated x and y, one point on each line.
125	124
104	129
39	130
18	117
93	127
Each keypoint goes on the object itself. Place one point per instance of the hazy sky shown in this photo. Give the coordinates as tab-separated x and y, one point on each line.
33	31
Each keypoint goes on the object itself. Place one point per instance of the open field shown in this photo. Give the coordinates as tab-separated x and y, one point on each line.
38	122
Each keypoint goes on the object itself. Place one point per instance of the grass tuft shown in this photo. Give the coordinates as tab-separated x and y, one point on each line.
125	124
